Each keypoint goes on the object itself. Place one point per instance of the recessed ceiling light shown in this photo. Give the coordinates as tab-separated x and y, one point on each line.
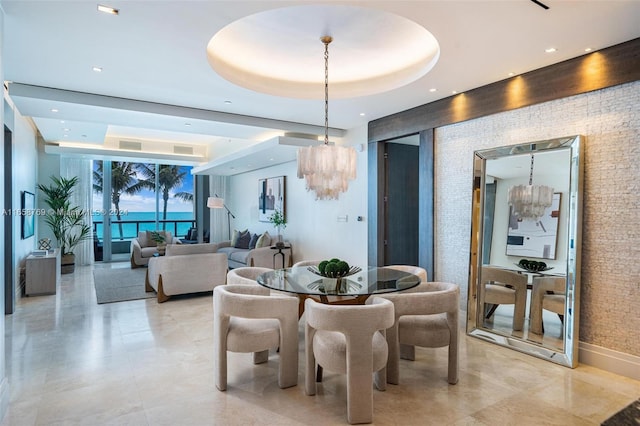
550	50
54	110
66	136
511	74
432	90
270	159
187	124
362	114
227	102
97	69
62	121
66	130
588	49
454	91
84	136
107	9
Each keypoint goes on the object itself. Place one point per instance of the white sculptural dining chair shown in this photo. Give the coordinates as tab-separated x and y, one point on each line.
247	319
415	270
349	339
549	293
500	286
246	275
427	316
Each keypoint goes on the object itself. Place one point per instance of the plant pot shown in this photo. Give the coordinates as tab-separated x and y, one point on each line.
67	263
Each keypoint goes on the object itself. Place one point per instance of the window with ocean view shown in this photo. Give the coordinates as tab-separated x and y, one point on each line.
141	196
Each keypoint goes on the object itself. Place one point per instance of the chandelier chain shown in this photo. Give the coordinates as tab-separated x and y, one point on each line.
326	41
531	172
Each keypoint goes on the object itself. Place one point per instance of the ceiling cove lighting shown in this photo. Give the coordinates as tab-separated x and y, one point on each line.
327	169
530	201
107	9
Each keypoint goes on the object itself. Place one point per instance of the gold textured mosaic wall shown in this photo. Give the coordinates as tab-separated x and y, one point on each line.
609	119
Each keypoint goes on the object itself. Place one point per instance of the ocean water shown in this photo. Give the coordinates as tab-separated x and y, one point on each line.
145	221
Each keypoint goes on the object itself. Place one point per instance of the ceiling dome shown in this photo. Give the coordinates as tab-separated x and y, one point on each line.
279	51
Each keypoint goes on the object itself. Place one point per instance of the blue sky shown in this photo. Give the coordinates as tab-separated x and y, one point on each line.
144	201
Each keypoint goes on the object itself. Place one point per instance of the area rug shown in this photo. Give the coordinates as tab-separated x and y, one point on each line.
118	285
629	415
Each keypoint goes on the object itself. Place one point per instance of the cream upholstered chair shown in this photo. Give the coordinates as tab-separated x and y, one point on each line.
349	339
425	317
548	293
415	270
182	272
504	287
247	319
246	275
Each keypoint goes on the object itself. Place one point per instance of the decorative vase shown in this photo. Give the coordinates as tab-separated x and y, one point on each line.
67	263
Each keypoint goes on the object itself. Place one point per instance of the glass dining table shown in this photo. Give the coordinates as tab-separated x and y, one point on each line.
353	289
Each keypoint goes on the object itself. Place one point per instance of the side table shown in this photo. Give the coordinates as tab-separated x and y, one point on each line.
279	247
42	273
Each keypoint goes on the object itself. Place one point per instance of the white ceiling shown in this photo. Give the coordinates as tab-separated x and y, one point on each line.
156	78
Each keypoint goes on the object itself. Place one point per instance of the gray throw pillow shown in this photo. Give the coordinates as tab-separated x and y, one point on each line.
254	240
243	240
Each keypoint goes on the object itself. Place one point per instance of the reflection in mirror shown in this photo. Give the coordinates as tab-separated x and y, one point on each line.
525	248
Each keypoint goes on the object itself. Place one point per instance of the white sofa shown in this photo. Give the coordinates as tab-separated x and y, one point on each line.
262	257
144	248
184	269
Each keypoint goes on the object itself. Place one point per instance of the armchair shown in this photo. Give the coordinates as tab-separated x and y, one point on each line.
181	274
144	248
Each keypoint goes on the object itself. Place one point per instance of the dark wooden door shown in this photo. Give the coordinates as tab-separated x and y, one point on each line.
402	196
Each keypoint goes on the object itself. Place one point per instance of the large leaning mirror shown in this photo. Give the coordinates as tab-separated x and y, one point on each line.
524	275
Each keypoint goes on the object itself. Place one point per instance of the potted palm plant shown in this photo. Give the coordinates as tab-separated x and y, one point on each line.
65	220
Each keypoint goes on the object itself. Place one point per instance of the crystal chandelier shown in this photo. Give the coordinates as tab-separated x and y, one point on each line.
327	169
530	201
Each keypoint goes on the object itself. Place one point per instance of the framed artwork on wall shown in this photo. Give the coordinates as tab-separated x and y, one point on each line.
271	195
27	214
528	238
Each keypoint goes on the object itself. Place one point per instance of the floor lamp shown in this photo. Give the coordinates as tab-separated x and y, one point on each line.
218	203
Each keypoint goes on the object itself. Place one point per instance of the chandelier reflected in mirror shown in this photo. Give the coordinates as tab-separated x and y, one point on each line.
327	168
530	201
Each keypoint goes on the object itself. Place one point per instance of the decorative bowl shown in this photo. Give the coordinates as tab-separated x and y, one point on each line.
533	266
352	270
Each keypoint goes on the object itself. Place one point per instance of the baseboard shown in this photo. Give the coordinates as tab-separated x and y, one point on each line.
609	360
4	398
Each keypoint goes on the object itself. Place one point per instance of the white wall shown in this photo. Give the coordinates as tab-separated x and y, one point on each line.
610	122
312	226
4	384
25	158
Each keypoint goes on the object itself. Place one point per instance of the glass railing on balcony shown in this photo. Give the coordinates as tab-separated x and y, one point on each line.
125	230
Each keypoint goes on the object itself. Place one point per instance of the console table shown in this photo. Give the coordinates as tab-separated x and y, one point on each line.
42	273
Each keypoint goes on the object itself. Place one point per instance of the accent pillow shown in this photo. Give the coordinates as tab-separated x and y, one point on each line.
264	240
234	237
142	239
243	240
254	240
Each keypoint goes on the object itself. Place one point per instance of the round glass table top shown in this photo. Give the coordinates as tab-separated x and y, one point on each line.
372	280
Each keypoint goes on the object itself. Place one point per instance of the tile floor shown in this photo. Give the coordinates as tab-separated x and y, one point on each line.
71	361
